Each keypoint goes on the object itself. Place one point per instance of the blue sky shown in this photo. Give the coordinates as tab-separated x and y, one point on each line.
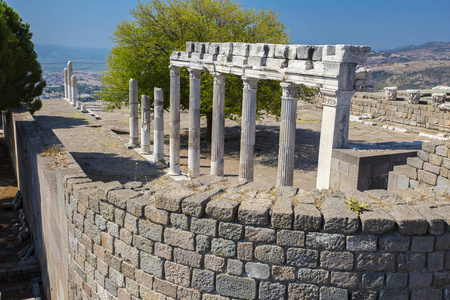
381	24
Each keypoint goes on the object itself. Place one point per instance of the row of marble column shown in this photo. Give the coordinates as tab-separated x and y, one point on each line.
158	143
246	167
70	85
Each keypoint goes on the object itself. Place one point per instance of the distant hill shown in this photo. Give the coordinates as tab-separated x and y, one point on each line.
418	67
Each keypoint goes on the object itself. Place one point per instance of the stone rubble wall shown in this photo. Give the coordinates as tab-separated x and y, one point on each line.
417	115
215	239
431	167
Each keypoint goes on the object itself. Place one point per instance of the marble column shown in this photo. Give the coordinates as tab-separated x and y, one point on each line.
218	125
145	124
287	135
248	126
65	83
195	77
158	134
174	168
69	81
74	91
133	101
334	131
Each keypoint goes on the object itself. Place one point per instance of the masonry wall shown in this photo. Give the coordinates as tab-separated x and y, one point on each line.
431	167
211	238
401	112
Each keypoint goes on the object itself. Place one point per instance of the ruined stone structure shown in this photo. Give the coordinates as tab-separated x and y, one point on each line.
438	99
390	93
413	96
329	68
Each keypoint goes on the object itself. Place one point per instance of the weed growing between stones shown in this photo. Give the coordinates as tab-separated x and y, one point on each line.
356	206
52	152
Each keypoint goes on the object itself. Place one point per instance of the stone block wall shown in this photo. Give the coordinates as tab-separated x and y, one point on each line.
401	112
431	167
215	239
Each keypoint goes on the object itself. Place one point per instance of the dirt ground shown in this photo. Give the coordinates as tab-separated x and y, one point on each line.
266	147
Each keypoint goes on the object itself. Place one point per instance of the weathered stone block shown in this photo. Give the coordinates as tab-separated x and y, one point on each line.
179	238
186	293
395	243
163	251
347	280
203	280
442	150
203	243
434	159
408	262
424	156
376	221
316	276
257	270
443	242
231	231
409	221
422	244
107	211
435	261
233	286
245	251
214	263
104	189
393	294
260	235
432	168
151	264
196	204
429	147
127	252
330	293
235	267
164	287
150	230
283	273
307	217
204	226
291	238
177	274
338	217
179	221
283	214
136	206
441	278
120	197
222	247
187	258
131	223
270	254
271	291
328	241
428	293
170	199
336	260
302	257
420	279
156	215
366	243
436	223
414	162
375	262
427	177
222	209
396	280
254	211
302	291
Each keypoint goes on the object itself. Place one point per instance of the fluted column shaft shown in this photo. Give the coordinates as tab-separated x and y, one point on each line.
65	84
133	98
158	133
74	91
145	124
174	121
218	125
248	126
69	81
287	135
195	77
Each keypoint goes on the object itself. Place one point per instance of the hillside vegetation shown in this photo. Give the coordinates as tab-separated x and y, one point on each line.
412	67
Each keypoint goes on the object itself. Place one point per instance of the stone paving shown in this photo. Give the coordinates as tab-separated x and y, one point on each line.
99	151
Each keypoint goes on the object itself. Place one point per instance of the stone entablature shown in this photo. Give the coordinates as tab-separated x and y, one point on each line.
331	68
215	239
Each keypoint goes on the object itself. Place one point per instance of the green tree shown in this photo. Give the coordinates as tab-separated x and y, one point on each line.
20	72
143	46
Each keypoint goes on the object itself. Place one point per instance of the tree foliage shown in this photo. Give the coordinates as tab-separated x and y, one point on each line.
143	46
20	72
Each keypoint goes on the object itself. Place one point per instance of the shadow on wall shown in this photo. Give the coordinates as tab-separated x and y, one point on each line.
110	167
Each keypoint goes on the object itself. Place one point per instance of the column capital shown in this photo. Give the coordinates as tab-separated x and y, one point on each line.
195	73
174	71
336	98
219	78
290	90
250	83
